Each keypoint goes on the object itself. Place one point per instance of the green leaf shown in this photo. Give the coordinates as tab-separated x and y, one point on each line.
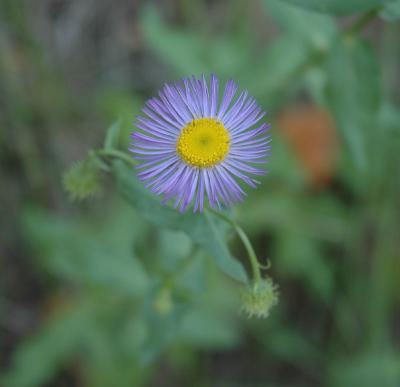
87	254
183	51
300	257
112	136
201	228
391	11
164	327
353	96
368	369
271	75
210	323
314	29
291	346
338	7
189	52
208	329
39	357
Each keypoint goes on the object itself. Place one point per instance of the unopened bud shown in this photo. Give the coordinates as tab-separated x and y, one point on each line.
82	179
259	298
163	302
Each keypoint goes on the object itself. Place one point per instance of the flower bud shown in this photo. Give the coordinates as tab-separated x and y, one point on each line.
163	302
82	179
259	298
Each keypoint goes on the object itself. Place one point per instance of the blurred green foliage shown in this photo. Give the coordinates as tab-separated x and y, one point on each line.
130	293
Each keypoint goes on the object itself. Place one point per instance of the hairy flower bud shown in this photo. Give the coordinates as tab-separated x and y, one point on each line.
163	303
259	298
82	179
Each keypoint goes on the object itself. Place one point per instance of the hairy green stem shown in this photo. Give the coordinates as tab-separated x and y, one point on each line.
255	265
116	154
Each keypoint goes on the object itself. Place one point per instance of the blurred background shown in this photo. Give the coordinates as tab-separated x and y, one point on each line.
92	294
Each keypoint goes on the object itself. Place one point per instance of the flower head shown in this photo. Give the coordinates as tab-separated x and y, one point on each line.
191	146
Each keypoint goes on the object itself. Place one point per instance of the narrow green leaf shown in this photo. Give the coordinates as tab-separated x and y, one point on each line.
201	228
291	345
368	369
188	52
301	257
314	29
270	74
208	329
183	51
338	7
39	357
391	11
353	95
86	254
112	136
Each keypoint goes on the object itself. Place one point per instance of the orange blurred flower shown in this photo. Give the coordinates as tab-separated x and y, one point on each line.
310	131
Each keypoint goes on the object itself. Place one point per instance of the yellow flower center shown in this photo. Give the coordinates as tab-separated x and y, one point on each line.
203	142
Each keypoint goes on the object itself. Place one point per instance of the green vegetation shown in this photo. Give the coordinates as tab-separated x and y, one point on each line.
114	289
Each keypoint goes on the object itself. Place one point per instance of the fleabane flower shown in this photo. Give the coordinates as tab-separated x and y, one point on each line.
193	146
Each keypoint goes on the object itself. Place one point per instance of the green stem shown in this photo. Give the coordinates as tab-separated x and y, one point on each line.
117	154
255	266
361	23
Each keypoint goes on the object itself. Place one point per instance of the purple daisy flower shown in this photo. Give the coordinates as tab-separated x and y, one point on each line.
190	147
